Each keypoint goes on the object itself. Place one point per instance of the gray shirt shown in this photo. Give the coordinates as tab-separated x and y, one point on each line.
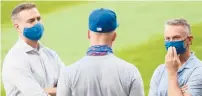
26	71
100	76
189	74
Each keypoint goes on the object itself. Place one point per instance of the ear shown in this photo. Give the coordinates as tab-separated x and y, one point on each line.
114	36
16	26
88	34
190	39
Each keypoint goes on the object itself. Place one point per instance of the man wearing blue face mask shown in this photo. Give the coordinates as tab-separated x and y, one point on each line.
30	69
181	68
100	72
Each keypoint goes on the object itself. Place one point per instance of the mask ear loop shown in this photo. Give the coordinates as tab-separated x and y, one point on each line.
187	44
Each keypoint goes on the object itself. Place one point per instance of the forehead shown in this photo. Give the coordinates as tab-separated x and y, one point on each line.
175	30
29	13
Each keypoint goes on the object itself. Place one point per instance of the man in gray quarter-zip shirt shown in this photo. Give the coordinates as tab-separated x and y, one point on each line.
29	68
101	73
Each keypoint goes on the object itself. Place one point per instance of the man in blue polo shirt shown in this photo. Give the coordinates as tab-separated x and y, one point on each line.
181	68
101	73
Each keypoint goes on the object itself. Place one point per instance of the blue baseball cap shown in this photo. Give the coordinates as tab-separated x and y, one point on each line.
102	21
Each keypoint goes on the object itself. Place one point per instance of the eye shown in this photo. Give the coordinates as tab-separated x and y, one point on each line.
31	20
167	39
176	38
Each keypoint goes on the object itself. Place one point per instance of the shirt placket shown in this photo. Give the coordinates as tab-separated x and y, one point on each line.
43	67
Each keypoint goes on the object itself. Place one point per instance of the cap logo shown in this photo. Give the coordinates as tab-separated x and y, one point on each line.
99	29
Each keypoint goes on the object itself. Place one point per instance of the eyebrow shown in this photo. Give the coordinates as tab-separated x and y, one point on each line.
172	36
32	19
177	36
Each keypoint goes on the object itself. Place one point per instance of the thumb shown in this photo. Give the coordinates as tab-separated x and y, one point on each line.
178	59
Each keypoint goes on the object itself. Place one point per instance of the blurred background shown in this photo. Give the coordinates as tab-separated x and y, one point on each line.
139	35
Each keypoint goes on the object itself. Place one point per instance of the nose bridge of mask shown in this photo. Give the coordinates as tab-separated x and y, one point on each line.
173	43
186	38
179	45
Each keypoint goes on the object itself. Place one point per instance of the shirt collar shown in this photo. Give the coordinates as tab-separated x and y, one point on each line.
188	64
22	44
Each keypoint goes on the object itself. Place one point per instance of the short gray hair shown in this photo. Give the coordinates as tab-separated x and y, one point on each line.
179	22
21	7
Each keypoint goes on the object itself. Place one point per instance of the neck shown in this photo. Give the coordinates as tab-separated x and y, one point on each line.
101	43
33	44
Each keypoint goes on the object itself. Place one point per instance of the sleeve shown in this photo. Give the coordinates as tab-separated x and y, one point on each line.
155	81
137	86
60	66
17	73
195	83
60	62
63	88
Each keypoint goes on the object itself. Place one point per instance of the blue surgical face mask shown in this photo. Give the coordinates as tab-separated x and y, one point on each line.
179	45
34	33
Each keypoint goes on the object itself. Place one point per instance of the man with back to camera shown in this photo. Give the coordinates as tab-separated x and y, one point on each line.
100	72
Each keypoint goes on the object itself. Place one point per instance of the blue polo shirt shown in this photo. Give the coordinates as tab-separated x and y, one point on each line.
189	74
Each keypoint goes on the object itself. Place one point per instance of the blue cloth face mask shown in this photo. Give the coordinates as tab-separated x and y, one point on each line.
179	45
34	33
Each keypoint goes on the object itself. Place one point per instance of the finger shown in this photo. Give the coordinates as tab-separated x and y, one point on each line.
182	91
166	57
178	59
184	88
169	52
185	85
174	52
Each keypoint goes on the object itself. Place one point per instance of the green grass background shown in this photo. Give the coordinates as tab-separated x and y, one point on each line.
140	34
